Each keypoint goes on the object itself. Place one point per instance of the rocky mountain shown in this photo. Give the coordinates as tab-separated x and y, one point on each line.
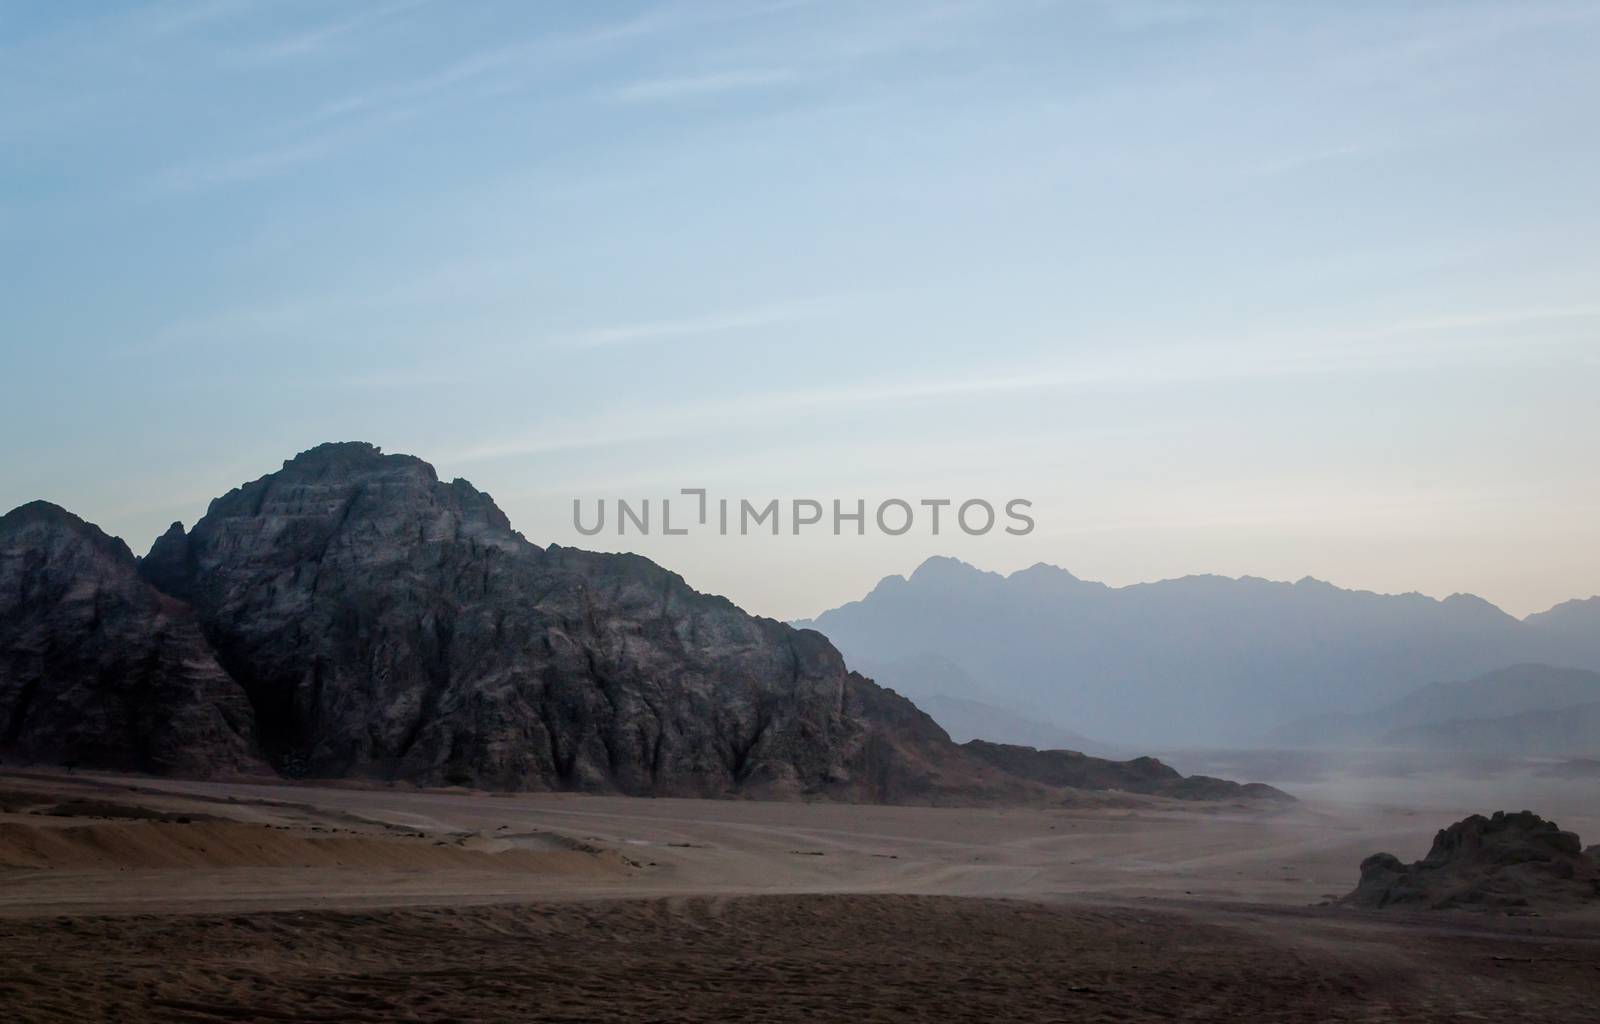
98	667
1198	660
1508	862
353	616
386	623
1522	709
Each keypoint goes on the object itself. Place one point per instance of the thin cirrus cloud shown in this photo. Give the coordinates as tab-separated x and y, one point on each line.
1295	162
375	106
338	121
539	52
659	90
266	163
1404	346
665	330
320	39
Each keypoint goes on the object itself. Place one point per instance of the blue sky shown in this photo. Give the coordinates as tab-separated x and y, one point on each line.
1240	288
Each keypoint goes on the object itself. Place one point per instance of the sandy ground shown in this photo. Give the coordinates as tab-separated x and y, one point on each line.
142	899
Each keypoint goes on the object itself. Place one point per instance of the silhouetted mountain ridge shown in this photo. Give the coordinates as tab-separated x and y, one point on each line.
1199	659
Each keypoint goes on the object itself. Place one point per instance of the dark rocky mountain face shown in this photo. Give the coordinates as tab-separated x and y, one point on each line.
1198	660
97	667
1506	862
388	624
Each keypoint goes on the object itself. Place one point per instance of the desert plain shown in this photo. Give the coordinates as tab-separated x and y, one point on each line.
143	899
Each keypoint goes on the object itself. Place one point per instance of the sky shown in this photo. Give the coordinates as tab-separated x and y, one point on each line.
1243	288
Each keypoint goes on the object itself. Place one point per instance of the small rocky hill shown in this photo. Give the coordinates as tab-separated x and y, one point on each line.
1075	770
1509	862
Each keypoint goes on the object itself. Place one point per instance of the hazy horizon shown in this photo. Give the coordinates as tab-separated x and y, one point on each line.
603	543
1222	288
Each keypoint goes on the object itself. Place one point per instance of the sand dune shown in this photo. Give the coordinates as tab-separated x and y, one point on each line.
169	845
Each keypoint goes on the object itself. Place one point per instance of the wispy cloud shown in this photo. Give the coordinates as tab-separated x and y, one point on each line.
1401	346
300	315
663	330
503	69
167	19
337	122
1294	162
655	90
101	32
1493	318
318	39
232	170
532	53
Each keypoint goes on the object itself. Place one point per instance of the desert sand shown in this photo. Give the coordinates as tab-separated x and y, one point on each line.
148	899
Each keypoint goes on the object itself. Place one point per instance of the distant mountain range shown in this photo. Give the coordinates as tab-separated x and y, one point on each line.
967	710
1574	626
1523	710
353	616
1191	661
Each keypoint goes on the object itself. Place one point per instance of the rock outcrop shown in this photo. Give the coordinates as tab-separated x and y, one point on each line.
1510	862
1147	775
99	668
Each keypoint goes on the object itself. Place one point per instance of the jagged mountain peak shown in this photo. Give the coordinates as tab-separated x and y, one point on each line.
52	517
349	498
332	452
1585	610
39	511
943	568
1044	569
349	462
98	667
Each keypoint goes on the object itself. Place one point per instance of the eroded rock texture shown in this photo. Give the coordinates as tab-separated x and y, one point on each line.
99	668
387	623
1511	861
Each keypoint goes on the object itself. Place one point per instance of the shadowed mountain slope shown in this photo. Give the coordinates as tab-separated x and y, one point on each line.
98	667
